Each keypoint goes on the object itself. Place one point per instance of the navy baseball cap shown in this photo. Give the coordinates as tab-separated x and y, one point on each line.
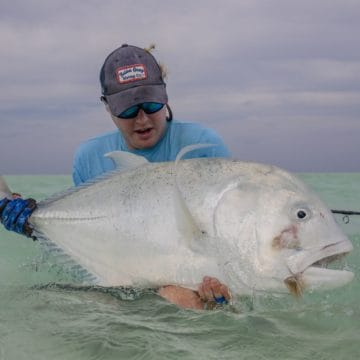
130	76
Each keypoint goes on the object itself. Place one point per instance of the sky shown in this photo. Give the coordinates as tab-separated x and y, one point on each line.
279	80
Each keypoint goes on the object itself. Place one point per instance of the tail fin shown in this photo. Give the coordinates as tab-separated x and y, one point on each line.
5	192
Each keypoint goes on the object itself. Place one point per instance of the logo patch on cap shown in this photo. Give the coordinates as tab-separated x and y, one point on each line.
131	73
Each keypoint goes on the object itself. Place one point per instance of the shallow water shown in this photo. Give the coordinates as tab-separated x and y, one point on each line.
42	318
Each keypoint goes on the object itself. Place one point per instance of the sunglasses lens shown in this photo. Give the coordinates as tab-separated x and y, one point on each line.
151	107
130	113
148	107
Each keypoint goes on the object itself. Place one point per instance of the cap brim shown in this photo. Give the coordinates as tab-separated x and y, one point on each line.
136	95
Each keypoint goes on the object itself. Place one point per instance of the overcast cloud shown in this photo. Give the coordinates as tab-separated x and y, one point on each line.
278	79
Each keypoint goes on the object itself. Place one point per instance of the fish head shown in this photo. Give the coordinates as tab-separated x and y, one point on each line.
276	235
311	247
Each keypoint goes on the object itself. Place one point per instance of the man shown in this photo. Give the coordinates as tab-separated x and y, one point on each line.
134	94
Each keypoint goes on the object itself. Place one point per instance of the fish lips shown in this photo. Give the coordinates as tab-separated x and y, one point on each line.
308	275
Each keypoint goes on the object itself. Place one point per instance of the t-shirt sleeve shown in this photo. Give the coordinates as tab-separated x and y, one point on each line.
89	160
78	177
219	149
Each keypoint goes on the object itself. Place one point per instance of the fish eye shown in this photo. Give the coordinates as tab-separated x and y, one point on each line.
301	214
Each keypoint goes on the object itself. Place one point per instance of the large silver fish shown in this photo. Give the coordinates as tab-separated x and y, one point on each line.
254	227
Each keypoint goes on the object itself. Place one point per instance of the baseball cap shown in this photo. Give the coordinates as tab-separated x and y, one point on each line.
130	76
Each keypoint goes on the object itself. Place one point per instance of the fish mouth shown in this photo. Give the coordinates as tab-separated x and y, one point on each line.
330	261
324	273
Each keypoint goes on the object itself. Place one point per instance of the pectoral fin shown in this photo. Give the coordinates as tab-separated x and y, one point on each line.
185	220
190	148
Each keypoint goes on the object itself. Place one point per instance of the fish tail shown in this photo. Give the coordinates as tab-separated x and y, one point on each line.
5	192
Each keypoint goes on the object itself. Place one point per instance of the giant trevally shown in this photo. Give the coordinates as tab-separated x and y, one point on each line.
253	226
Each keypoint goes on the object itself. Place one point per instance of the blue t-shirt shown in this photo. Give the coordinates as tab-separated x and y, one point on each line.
90	162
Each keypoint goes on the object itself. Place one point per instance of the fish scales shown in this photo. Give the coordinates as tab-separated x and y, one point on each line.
254	226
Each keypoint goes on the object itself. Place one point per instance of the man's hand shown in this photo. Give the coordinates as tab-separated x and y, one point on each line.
14	214
210	292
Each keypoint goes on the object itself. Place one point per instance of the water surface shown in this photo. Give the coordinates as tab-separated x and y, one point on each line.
42	318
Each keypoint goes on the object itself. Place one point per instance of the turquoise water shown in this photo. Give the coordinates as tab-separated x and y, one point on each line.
42	319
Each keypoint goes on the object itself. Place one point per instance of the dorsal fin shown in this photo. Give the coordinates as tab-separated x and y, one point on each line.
124	160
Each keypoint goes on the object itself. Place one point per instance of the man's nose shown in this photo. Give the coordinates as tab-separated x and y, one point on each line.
141	117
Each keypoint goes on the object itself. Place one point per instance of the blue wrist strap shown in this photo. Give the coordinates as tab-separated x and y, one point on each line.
3	203
22	219
11	213
15	214
221	300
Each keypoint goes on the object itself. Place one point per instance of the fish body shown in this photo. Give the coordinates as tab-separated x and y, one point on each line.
255	227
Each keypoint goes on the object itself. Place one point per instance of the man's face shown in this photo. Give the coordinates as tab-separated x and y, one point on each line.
143	131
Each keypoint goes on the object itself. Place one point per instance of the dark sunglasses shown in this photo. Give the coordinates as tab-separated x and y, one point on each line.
147	107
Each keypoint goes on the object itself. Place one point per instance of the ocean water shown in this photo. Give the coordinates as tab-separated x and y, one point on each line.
43	318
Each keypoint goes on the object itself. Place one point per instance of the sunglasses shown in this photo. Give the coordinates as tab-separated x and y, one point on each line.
147	107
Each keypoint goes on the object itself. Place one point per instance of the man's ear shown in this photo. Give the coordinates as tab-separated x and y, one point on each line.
104	101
